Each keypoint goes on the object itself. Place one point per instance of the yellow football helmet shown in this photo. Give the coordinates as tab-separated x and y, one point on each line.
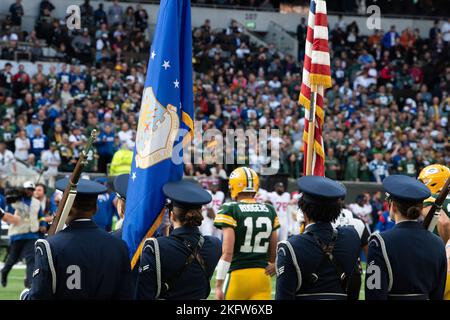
243	179
434	177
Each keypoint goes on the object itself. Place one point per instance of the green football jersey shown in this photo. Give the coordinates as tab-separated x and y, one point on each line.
253	224
445	205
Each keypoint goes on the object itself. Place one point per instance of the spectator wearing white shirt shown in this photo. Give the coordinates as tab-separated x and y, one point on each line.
23	145
125	134
76	139
6	159
51	160
362	209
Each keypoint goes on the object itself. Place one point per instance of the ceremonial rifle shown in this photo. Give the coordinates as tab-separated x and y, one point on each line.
432	217
71	190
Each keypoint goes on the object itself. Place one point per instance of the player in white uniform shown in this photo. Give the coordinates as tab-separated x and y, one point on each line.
261	196
280	200
292	210
209	212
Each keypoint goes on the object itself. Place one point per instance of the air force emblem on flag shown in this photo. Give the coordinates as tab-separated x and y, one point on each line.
157	129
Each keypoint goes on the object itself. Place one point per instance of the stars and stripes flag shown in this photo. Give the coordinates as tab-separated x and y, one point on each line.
316	78
165	121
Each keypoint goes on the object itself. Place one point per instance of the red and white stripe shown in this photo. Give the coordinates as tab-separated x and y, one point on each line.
316	70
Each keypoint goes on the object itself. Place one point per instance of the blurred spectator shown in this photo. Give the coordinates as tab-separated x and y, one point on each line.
390	38
378	167
38	143
100	15
51	161
385	222
6	159
115	14
22	146
121	161
16	11
362	209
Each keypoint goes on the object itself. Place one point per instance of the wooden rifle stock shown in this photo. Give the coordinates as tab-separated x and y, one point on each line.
436	207
69	194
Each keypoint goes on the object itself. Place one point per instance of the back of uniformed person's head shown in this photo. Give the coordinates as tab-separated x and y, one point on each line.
85	203
190	217
185	201
405	195
321	199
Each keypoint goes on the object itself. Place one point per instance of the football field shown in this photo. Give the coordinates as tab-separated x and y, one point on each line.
16	276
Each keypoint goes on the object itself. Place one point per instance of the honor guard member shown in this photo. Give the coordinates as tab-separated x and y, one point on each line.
82	261
180	266
319	263
120	184
406	262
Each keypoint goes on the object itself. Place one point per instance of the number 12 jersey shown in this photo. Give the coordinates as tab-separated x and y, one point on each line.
253	224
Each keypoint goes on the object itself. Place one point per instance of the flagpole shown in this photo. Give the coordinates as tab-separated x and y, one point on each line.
311	130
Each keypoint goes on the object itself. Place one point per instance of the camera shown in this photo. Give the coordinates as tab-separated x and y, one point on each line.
14	194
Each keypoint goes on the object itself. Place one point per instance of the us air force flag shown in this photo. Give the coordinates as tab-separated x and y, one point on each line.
165	117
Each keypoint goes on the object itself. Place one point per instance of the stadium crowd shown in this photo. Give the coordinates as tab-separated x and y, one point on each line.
418	7
386	113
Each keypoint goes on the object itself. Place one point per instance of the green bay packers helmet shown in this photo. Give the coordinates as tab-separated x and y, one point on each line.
434	177
243	179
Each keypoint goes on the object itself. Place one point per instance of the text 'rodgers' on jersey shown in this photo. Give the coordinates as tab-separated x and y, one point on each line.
253	224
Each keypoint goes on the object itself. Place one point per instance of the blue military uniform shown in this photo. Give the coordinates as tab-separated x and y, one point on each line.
319	263
81	261
406	262
120	184
181	265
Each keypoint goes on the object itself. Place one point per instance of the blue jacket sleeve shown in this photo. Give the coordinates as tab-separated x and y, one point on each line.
377	278
287	279
147	280
43	274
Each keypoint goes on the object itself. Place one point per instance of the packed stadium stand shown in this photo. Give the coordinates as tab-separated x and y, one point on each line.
386	113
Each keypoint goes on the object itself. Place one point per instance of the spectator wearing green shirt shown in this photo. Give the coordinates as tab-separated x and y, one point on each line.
408	165
331	165
352	167
363	170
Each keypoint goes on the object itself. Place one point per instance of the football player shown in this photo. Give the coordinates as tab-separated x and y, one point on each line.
249	241
280	200
209	211
434	177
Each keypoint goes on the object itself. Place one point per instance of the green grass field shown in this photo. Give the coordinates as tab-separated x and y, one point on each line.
15	285
16	276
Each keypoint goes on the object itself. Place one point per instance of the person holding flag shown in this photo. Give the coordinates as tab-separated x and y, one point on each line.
186	260
328	254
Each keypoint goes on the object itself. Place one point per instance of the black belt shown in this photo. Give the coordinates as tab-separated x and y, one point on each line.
321	296
408	296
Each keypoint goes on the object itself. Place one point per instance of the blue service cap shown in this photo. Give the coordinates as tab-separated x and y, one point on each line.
321	188
84	187
186	194
404	188
121	185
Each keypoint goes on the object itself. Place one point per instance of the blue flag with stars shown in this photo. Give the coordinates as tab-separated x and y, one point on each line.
165	119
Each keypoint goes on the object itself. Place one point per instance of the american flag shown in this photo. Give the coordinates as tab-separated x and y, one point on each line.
316	71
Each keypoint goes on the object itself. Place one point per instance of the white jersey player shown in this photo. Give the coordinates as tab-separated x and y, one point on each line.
261	196
209	212
292	211
280	200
